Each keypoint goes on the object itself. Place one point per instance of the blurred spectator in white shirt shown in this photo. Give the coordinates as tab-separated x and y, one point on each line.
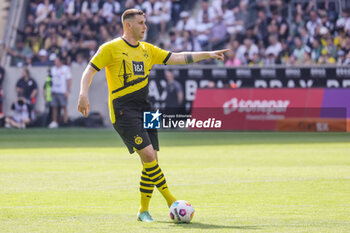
164	9
343	19
203	30
61	84
325	22
248	47
94	7
275	46
42	11
185	23
313	23
109	8
208	9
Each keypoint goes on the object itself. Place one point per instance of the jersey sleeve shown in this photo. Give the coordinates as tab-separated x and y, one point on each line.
159	56
101	58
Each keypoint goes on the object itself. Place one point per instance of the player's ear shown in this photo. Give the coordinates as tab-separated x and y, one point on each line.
128	24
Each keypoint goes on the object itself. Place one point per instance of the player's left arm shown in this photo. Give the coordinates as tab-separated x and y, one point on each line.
192	57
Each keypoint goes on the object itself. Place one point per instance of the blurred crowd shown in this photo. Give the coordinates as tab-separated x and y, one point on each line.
257	32
75	28
315	34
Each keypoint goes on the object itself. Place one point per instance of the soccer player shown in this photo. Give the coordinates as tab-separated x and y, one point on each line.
128	62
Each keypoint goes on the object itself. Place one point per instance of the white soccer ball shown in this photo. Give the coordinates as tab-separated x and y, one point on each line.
181	211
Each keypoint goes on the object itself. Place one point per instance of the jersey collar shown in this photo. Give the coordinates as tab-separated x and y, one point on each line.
133	46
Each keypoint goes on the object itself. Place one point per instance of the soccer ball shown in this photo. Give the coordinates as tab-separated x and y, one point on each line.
181	211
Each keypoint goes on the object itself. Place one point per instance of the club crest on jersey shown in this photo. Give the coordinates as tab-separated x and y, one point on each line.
138	140
145	54
138	68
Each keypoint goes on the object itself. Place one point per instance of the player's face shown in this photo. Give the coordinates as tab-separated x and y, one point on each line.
139	27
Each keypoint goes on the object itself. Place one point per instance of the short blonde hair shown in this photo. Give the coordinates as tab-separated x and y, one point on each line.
130	13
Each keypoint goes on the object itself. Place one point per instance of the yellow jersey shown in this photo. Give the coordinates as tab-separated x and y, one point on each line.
127	67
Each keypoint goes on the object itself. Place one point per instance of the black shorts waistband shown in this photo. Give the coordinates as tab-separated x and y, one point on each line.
135	99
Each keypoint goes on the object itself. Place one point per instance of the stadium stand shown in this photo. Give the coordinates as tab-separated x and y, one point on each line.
258	32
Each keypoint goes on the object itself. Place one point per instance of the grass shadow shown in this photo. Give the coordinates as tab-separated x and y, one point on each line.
198	225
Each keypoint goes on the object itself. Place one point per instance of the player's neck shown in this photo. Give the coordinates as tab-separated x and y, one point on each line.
130	40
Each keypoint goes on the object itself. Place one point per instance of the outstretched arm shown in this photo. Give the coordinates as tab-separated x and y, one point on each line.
86	79
191	57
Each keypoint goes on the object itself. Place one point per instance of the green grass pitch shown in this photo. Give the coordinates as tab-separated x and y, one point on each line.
83	180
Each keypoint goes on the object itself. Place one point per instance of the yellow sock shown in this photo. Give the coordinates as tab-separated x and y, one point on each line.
156	175
146	190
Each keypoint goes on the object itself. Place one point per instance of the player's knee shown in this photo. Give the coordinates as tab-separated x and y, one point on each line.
150	158
147	154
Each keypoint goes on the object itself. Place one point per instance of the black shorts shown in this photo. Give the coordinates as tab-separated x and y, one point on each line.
129	125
